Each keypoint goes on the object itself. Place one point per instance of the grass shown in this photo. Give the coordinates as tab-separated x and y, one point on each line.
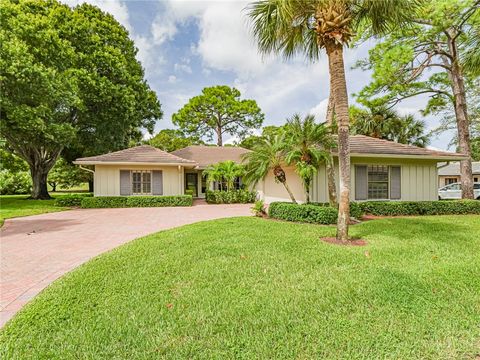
19	205
249	288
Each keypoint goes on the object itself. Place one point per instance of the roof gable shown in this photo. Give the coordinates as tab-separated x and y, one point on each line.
137	154
207	155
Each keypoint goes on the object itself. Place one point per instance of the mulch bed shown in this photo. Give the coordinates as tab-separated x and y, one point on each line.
352	242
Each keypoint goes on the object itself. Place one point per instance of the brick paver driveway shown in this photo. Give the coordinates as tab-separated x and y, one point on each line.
36	250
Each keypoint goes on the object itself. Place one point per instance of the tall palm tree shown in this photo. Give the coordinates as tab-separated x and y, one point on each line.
408	130
289	27
309	147
267	155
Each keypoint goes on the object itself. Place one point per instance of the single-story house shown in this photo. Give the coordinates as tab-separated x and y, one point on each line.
450	173
380	169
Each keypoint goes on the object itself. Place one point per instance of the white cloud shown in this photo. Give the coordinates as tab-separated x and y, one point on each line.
172	79
320	110
182	68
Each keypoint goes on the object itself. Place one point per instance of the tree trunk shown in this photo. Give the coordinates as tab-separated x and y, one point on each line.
219	136
289	192
330	165
339	89
90	186
39	178
463	128
53	185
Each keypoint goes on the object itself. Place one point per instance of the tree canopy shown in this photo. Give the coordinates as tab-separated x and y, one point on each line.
218	111
172	139
70	80
384	123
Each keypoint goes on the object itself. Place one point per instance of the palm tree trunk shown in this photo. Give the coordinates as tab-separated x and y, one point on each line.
289	192
339	88
330	166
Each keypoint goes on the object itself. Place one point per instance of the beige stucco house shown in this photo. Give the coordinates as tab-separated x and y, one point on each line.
450	173
380	170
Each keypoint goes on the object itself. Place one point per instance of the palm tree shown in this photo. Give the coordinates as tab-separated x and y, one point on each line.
224	172
408	130
267	155
289	27
309	147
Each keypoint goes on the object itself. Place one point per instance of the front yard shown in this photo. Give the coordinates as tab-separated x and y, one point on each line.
18	205
253	288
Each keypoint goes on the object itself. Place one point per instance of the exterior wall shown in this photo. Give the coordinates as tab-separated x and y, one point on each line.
442	179
107	178
418	181
418	178
270	191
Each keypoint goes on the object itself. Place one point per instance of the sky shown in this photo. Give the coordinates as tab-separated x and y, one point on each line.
186	45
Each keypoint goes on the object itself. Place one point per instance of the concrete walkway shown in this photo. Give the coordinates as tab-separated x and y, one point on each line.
36	250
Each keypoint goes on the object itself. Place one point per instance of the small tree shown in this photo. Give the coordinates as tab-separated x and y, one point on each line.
67	175
267	155
224	172
218	110
309	148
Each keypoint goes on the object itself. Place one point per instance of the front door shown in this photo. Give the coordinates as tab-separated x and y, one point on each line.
191	183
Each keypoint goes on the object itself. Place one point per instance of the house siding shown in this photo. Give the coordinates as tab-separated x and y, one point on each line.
418	181
107	178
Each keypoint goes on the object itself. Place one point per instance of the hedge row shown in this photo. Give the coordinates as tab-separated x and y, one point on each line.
322	213
230	197
310	213
136	201
396	208
71	200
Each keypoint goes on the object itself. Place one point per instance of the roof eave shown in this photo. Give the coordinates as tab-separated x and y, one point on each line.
92	162
405	156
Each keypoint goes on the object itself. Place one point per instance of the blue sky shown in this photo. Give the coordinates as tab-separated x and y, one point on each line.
185	46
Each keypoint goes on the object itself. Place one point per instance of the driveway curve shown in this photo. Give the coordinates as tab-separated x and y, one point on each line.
36	250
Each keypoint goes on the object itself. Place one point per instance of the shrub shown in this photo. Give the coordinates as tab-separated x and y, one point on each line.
189	192
310	213
230	197
135	201
355	209
158	201
396	208
258	208
12	183
71	200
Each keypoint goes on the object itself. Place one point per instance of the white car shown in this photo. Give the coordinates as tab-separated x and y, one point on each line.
454	191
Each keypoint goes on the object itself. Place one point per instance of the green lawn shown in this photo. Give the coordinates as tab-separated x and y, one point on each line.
18	205
251	288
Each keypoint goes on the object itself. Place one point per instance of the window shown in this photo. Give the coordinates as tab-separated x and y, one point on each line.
238	183
449	181
475	179
377	182
141	182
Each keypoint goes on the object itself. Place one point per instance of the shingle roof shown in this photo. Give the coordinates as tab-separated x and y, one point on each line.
361	144
137	154
208	155
454	169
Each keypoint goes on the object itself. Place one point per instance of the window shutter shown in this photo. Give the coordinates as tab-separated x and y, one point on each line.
361	182
125	183
157	182
395	183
